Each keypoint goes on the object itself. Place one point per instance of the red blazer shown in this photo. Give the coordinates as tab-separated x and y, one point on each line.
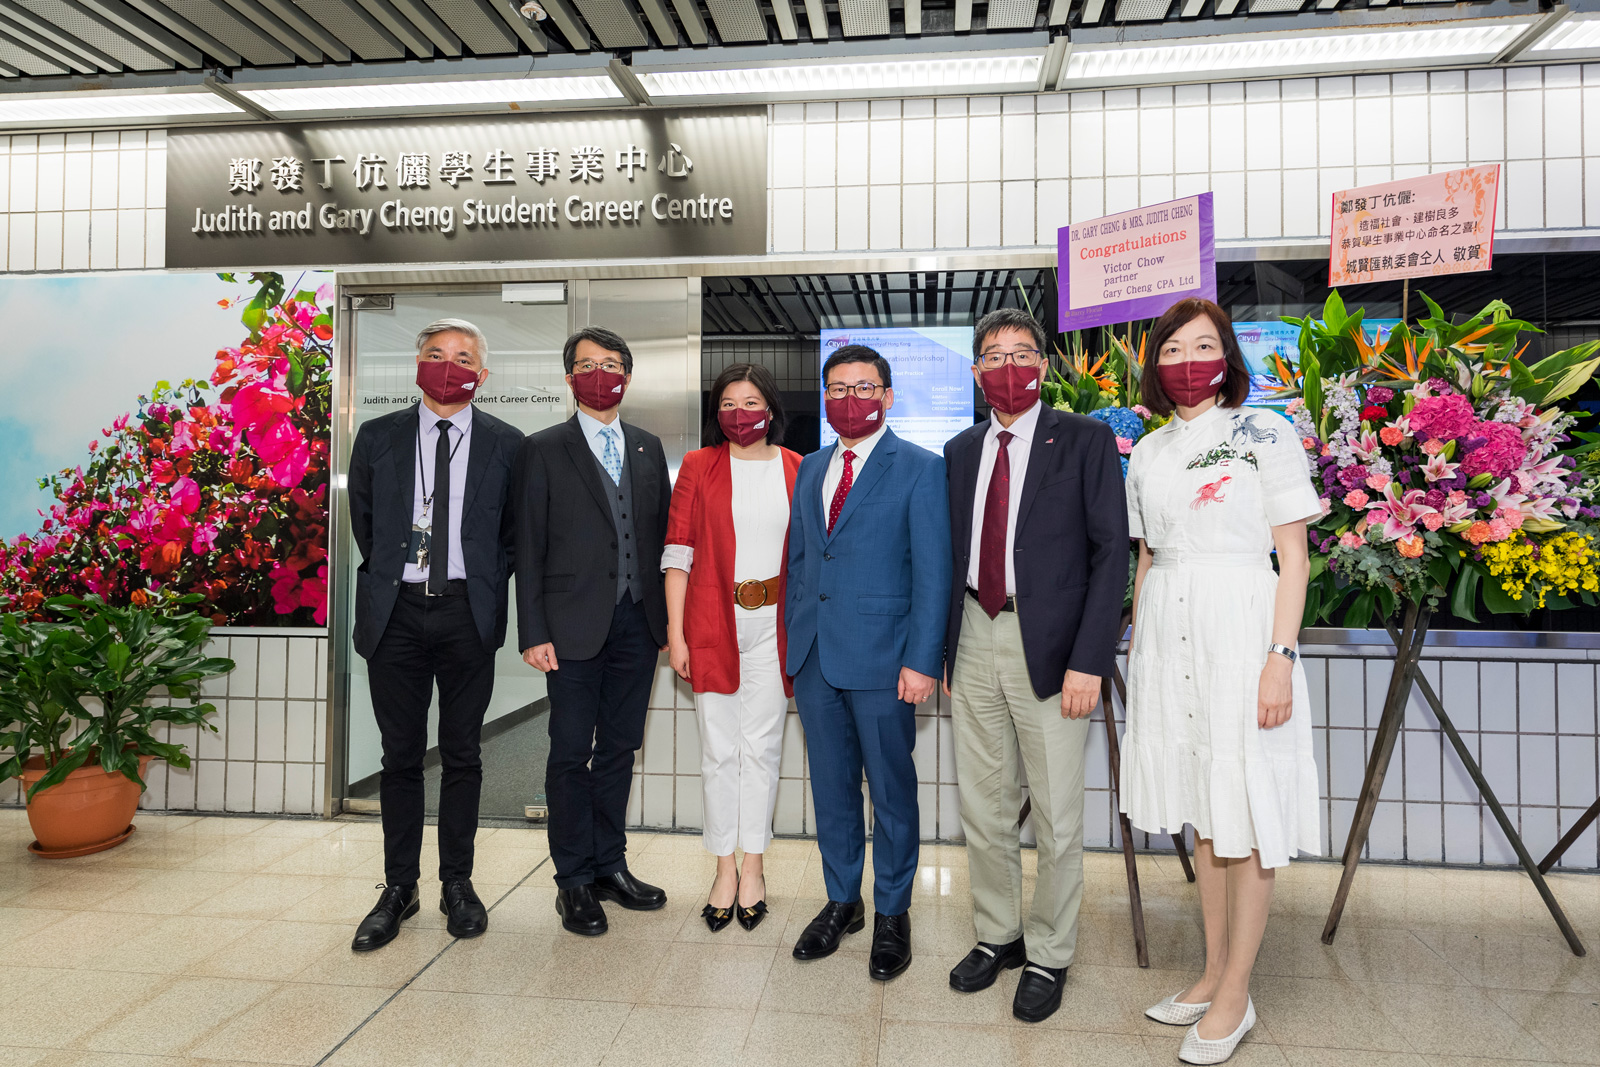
702	518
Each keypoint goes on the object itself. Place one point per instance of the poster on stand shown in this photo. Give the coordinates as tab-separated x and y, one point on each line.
1414	227
1136	264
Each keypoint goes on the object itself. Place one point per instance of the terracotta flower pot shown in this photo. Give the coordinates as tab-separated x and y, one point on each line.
89	812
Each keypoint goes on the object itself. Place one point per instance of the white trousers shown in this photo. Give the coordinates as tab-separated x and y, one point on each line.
741	740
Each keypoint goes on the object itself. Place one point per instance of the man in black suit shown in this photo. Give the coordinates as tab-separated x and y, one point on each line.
430	510
1039	536
592	497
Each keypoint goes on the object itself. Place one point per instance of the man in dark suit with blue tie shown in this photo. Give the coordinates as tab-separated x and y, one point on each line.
428	492
869	588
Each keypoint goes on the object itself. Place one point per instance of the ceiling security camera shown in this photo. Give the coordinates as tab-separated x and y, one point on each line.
532	11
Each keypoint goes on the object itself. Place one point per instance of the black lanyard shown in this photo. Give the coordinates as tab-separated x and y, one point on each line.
422	473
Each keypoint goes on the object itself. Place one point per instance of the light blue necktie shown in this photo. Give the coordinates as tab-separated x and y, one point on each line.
611	459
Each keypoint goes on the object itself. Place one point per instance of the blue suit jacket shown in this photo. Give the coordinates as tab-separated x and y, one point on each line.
873	596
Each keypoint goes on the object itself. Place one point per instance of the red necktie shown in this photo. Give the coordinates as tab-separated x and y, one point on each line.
992	541
845	481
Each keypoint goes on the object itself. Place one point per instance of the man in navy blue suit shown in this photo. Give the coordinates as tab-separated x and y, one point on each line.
869	589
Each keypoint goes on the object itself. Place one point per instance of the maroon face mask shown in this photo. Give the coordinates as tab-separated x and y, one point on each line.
1010	389
852	417
445	382
599	389
743	426
1194	382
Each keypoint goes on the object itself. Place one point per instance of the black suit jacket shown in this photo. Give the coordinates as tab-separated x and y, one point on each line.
567	544
1071	546
382	490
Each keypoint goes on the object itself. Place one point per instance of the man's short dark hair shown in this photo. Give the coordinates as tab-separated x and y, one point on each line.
605	339
858	354
765	383
1005	319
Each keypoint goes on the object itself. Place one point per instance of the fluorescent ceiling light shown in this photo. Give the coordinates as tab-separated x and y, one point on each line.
433	94
877	77
90	106
1175	60
1577	35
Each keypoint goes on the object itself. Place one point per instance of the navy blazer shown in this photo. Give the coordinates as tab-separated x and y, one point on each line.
382	491
871	597
1070	550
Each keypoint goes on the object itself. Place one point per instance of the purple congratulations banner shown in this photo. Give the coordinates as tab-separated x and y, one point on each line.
1136	264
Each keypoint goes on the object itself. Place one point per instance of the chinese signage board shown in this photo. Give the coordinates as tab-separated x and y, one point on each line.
516	187
1136	264
1414	228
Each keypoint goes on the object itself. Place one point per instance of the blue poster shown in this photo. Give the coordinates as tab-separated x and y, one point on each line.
1260	341
931	370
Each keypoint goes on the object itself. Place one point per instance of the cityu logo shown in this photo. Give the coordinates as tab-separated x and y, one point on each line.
838	342
1250	337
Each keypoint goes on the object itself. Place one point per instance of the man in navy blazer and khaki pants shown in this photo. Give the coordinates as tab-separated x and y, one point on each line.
1040	536
869	588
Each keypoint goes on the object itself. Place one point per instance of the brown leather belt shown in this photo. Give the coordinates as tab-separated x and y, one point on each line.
751	594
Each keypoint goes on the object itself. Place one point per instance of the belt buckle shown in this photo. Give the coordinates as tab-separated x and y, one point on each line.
429	592
739	594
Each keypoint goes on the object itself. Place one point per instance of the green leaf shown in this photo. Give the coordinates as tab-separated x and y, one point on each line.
1439	571
1359	615
1498	601
117	657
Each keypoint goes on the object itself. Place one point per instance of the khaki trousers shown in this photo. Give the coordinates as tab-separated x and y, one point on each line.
1000	725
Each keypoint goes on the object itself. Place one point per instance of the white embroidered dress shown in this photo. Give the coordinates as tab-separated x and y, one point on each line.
1204	495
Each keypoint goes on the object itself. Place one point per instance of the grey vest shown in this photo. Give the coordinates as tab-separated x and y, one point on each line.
620	497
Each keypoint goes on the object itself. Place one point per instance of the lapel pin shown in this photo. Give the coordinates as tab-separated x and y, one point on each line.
1049	440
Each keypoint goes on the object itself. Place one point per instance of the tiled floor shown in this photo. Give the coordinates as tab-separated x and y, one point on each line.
226	941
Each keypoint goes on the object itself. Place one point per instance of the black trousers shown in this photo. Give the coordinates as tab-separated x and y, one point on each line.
597	712
430	639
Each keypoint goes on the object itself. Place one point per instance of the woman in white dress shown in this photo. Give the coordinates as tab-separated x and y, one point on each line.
1219	719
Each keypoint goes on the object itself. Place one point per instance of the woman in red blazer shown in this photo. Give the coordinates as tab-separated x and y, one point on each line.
727	540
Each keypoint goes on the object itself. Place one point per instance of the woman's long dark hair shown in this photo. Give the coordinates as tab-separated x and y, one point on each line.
1235	387
762	379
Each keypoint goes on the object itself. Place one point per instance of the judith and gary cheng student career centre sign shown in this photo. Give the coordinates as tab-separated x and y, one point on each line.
459	190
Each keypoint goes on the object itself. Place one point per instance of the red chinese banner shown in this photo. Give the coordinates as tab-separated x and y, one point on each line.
1414	228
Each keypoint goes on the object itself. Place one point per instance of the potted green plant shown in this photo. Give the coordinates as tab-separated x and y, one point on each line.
87	691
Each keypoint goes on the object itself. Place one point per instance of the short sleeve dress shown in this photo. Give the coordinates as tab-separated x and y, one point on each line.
1204	495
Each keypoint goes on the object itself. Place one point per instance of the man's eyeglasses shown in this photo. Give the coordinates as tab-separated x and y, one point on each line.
1022	357
864	390
610	366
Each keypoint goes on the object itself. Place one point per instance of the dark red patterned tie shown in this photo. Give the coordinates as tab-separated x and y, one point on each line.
845	481
992	541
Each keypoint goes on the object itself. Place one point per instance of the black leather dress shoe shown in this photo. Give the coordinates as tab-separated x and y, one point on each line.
984	964
1038	992
623	888
580	912
891	945
382	924
821	935
465	914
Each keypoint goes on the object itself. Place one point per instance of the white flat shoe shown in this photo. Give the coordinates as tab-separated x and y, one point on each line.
1175	1012
1196	1049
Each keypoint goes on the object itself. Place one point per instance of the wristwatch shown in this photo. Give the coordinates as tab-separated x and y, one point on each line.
1284	650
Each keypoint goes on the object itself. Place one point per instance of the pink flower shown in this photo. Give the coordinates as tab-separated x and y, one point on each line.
1141	411
1443	417
283	450
1326	505
1501	453
259	405
1391	435
1433	446
205	539
1456	498
1512	517
183	441
1399	514
1499	529
1438	469
1357	499
185	496
1433	521
1377	482
1125	446
1350	539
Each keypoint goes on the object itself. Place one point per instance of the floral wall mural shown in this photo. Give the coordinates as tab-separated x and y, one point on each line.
214	485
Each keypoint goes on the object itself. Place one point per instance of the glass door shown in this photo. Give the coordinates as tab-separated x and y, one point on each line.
526	388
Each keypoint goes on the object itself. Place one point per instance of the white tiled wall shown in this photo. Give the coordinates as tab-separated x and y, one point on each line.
269	751
987	172
1530	722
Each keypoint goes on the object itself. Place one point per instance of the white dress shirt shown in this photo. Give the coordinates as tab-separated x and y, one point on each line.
594	432
1017	450
427	449
830	479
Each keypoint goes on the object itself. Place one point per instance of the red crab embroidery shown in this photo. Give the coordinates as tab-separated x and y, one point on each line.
1211	493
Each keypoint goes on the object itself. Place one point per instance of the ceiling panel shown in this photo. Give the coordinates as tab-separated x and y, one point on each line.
15	55
864	18
615	24
358	30
221	22
1011	14
94	33
482	31
737	21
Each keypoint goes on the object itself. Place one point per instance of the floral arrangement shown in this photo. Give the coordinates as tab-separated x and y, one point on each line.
1445	468
215	490
1106	388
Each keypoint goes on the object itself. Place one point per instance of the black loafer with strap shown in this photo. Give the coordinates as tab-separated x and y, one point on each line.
984	964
